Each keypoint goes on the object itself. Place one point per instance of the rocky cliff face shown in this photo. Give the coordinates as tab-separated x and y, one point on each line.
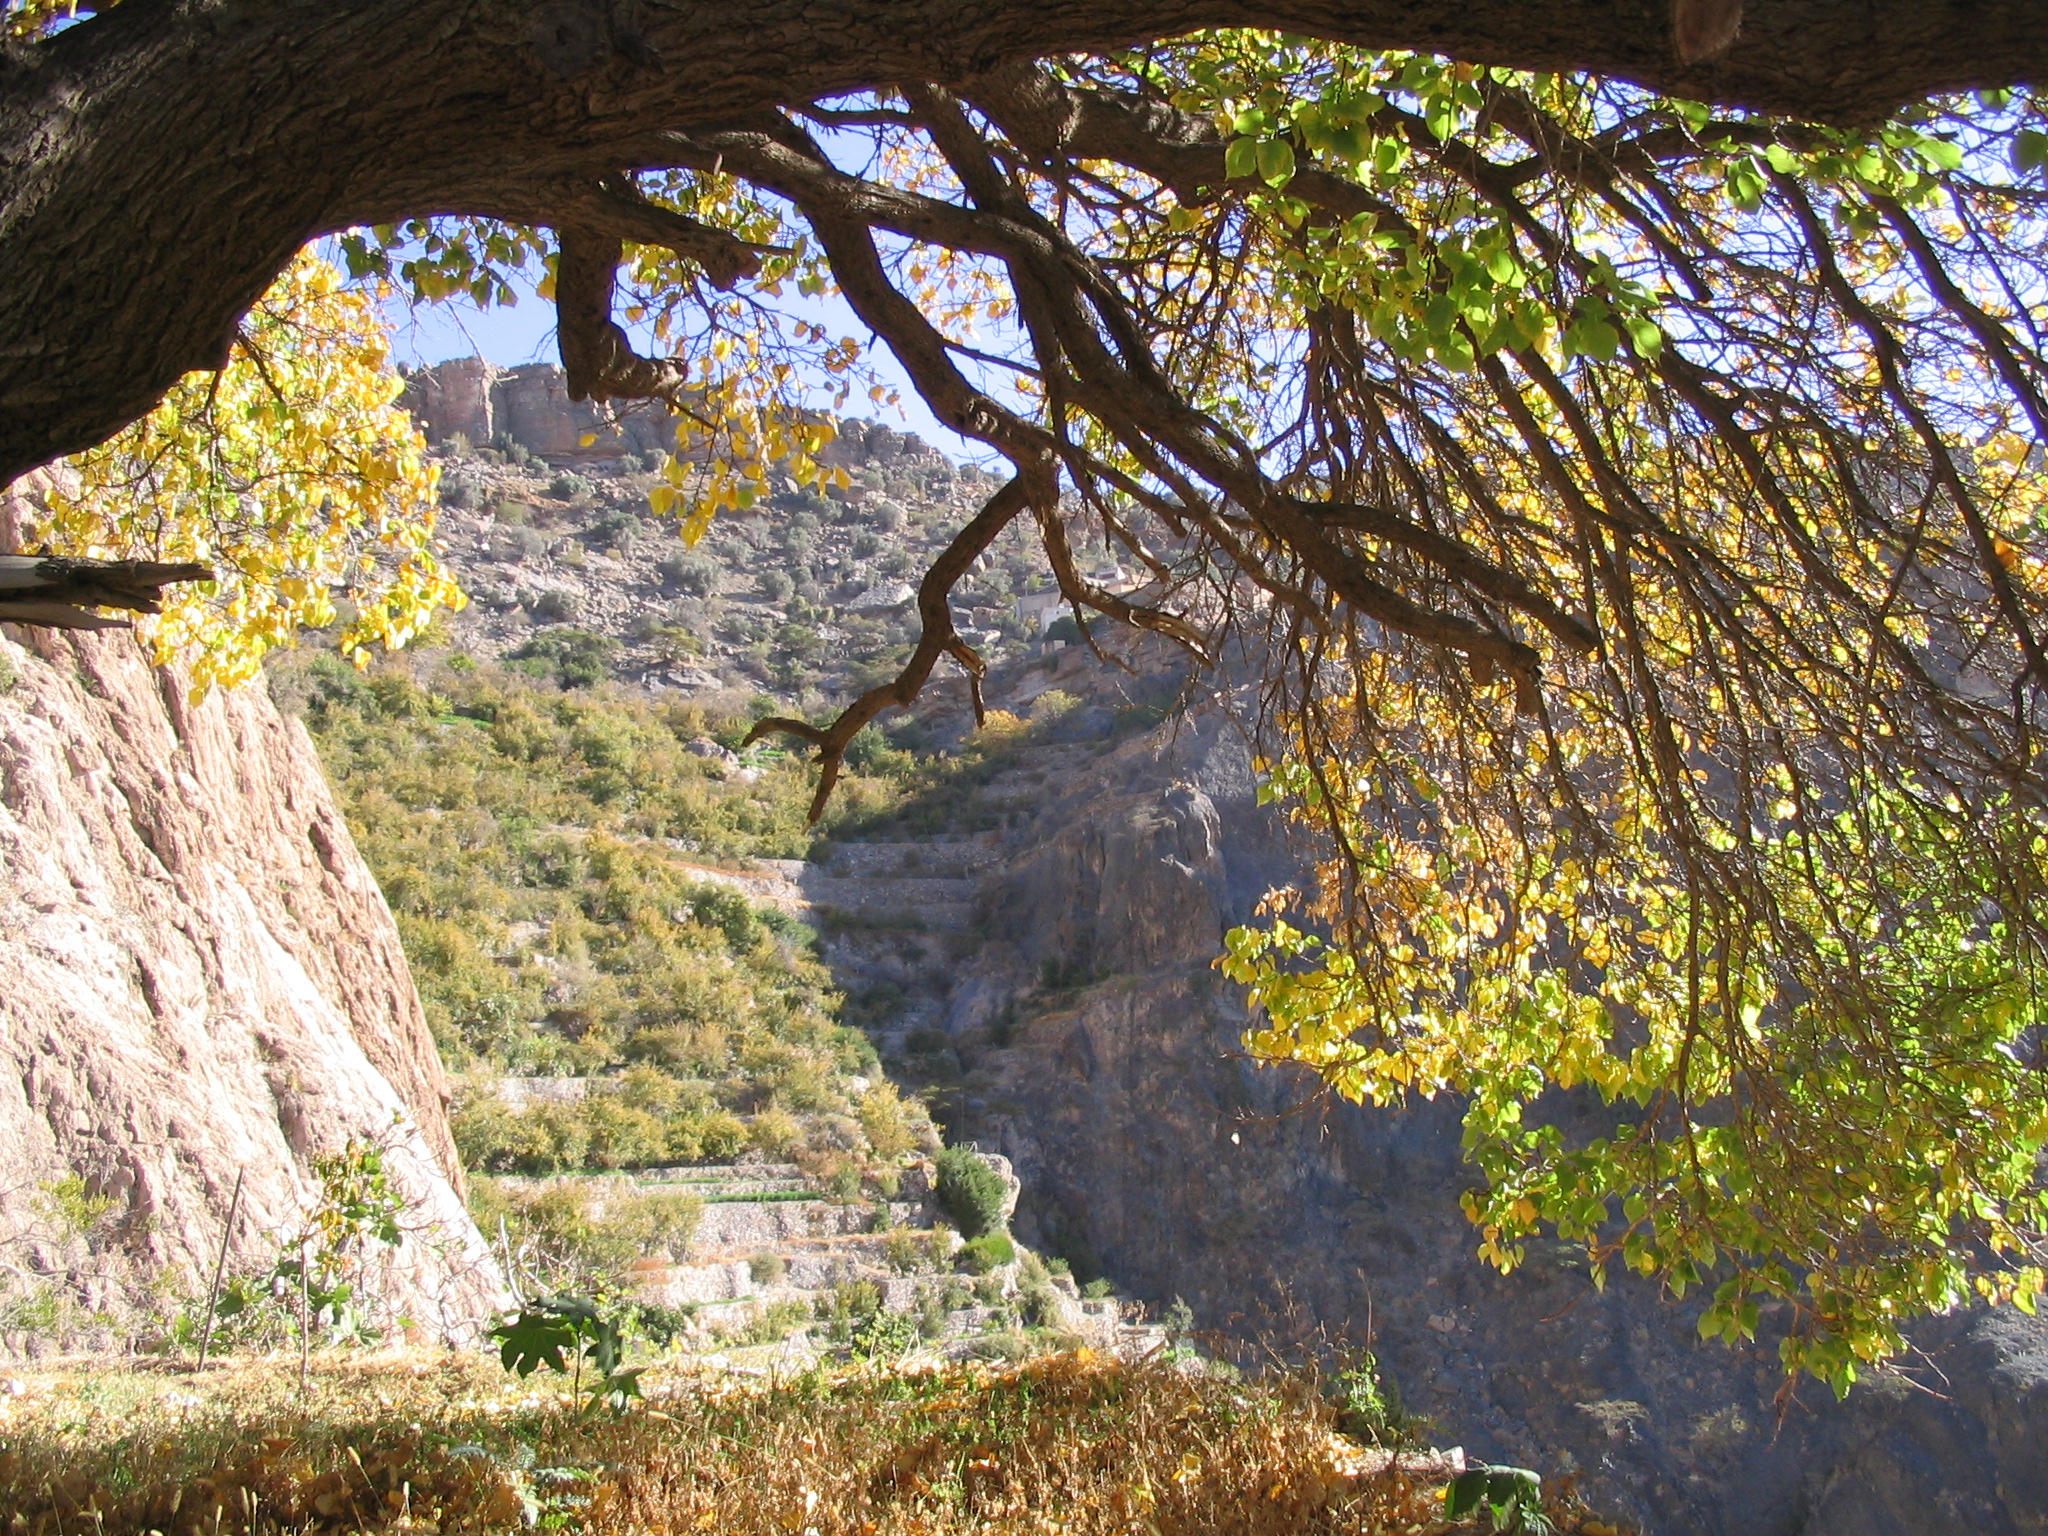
198	978
530	405
1101	1054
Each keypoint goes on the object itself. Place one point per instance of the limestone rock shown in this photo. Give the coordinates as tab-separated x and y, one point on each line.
199	978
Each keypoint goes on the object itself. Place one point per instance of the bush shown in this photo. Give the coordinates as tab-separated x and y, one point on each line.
774	1323
619	1135
883	1335
775	1133
847	1303
690	572
554	607
885	1120
662	1325
657	1224
906	1251
989	1252
1040	1305
1007	1347
767	1268
558	1236
577	658
570	487
970	1192
722	1137
494	1138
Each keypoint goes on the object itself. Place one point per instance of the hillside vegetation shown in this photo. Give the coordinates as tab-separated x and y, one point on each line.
551	855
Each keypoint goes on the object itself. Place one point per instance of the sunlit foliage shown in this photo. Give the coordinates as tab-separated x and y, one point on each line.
292	473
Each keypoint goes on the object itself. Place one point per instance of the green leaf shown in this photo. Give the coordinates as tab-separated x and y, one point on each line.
1941	154
1508	1486
1276	162
534	1339
1592	338
1464	1494
1241	158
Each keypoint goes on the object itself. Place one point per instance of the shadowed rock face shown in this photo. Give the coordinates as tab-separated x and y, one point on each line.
198	977
1148	1147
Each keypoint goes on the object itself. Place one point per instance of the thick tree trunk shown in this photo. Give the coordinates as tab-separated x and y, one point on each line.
159	164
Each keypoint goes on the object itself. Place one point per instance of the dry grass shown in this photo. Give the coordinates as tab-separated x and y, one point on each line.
1065	1444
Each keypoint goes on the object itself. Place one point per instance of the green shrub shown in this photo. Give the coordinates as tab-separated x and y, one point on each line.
657	1224
577	658
690	572
565	1241
886	1122
722	1137
847	1303
1040	1305
906	1251
1007	1347
661	1325
883	1335
774	1322
1369	1405
970	1192
494	1138
767	1268
988	1252
775	1133
620	1136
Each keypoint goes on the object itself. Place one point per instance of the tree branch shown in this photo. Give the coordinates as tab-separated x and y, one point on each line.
937	638
160	163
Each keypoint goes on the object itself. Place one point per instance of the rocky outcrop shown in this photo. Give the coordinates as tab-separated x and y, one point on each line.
198	979
1102	1054
479	402
530	405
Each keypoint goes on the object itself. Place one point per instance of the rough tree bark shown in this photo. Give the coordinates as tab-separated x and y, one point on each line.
160	163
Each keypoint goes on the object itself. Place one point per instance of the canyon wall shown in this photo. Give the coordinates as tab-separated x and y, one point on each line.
1101	1053
199	979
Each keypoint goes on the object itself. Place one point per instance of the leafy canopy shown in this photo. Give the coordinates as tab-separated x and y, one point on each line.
1631	509
292	472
